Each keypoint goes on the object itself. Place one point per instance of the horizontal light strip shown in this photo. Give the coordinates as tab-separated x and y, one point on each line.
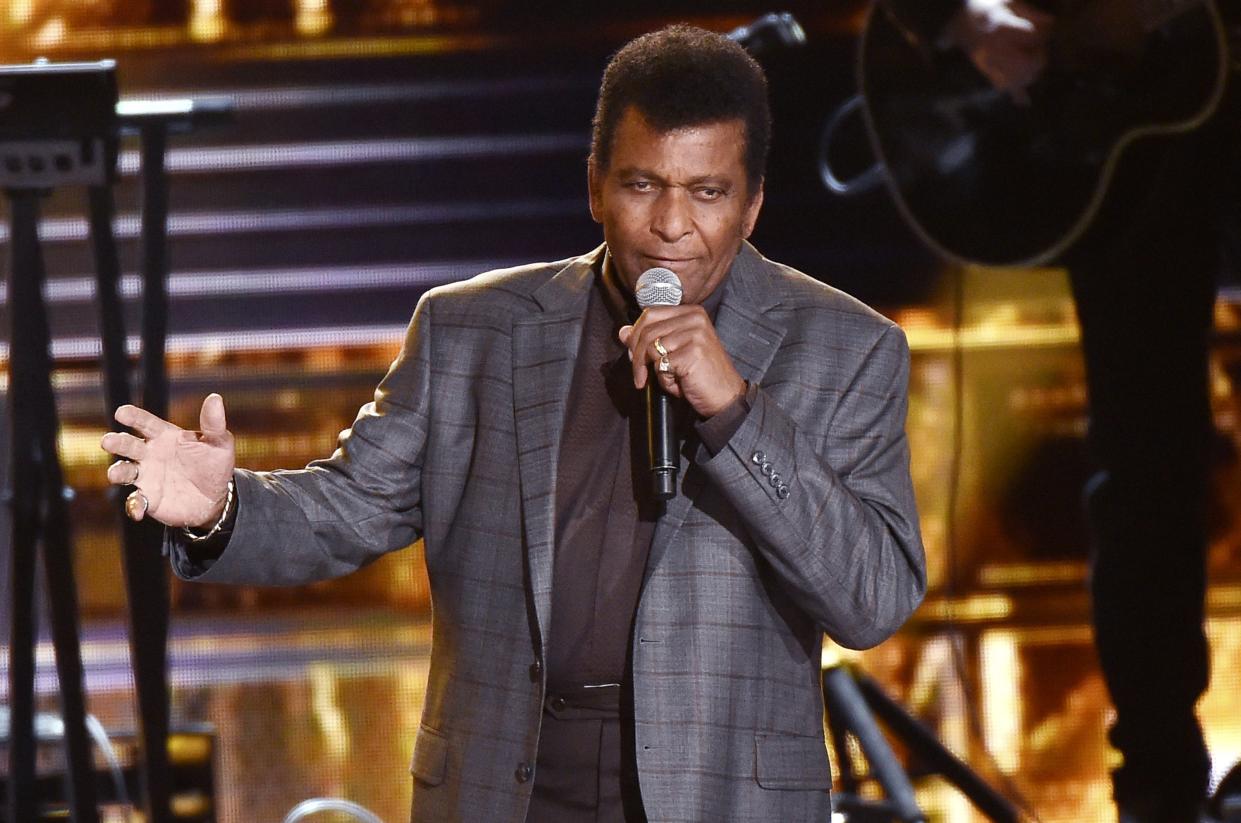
991	336
304	97
300	280
222	159
209	653
226	342
1072	572
128	226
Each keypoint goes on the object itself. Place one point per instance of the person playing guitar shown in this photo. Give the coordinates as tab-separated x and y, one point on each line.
1001	139
1143	271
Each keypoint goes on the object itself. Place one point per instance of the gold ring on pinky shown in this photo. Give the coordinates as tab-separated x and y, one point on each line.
136	505
663	352
664	365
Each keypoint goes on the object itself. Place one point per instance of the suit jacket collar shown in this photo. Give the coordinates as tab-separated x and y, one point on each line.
569	289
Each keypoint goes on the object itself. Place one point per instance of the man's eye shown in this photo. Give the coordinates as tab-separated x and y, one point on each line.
709	194
641	185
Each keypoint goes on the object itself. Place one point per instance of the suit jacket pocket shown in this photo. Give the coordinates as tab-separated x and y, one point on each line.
786	761
430	756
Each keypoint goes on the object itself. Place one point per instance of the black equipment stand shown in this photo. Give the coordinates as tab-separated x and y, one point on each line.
146	573
67	122
40	514
58	128
854	703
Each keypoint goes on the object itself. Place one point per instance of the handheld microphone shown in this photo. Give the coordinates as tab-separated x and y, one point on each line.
660	287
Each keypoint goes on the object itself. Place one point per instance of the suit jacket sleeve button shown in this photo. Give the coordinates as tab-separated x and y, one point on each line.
774	480
523	773
782	492
758	458
765	468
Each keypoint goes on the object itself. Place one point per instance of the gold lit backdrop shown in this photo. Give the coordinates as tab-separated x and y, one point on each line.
384	146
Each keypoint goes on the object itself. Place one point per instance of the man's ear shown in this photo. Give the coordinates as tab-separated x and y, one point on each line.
753	206
594	185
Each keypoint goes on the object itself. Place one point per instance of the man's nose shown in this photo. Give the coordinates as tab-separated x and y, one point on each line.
671	219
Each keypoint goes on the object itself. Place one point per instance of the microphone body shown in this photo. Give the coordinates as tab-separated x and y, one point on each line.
661	442
660	287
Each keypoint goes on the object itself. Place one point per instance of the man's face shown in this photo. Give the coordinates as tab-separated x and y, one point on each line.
676	199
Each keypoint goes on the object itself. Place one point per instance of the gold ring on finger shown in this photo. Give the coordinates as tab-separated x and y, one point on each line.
136	505
663	352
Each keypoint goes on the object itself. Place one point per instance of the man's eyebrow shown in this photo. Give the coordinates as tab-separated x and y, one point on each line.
721	181
635	171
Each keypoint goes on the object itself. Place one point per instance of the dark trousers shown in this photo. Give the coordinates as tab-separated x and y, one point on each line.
585	770
1144	283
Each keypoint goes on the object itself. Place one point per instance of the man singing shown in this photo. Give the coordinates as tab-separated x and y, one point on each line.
599	655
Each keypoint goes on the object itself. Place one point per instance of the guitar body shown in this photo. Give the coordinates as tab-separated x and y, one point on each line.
984	180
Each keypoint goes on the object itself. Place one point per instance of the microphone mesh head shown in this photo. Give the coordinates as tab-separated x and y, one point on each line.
658	287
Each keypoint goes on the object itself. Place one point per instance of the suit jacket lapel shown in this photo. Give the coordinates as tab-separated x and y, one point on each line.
545	345
750	334
751	338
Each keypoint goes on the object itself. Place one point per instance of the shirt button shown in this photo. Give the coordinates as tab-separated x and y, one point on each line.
558	704
774	480
758	458
523	773
536	671
782	492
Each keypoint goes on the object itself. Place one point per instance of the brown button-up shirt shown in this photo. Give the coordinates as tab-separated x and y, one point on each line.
605	514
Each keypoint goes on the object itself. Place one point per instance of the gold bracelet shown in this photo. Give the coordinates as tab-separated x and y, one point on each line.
219	524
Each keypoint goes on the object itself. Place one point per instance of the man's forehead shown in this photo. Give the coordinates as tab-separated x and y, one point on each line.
721	143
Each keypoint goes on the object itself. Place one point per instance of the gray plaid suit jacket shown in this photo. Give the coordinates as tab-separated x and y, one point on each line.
460	447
